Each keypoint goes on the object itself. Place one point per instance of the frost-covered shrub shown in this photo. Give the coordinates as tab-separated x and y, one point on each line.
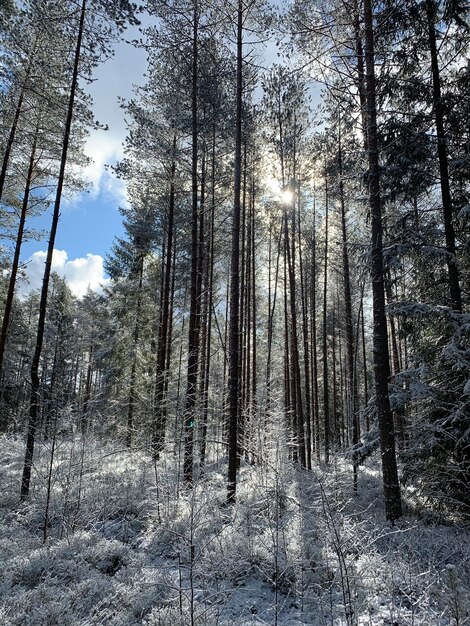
296	548
107	556
457	595
175	617
62	563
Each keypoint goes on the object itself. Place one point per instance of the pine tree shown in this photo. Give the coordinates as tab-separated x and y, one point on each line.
119	14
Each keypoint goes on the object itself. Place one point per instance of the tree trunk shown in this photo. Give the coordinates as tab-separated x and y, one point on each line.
88	389
34	397
313	321
336	431
161	373
242	318
272	297
326	395
135	344
289	413
364	352
352	390
16	256
210	282
296	388
11	139
234	339
305	334
193	333
253	306
381	354
438	105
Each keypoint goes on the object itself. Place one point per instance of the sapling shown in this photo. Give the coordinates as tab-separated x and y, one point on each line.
49	481
337	543
457	601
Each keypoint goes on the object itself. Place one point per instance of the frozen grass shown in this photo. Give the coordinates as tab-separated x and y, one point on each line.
127	544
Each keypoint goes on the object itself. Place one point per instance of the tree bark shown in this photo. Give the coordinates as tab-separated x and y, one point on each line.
161	373
35	383
11	139
210	297
451	258
305	334
313	323
381	354
135	344
193	332
16	255
296	389
326	394
352	391
234	338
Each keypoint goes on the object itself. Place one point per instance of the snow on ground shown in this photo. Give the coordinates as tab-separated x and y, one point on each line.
127	544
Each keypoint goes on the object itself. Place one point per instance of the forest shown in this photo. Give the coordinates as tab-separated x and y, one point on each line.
262	416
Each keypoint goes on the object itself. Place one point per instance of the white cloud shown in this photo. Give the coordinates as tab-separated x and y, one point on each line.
104	149
80	274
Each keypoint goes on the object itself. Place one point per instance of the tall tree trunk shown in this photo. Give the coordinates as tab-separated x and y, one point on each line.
381	354
169	339
135	345
254	379
344	438
234	338
336	430
305	334
364	351
193	333
296	388
242	318
161	373
313	323
326	394
88	389
352	391
35	383
210	298
247	332
16	256
11	139
272	297
398	416
438	105
289	413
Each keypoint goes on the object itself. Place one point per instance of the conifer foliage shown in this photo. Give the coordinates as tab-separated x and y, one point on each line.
290	292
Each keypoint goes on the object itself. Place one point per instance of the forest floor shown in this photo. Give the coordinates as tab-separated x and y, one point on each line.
126	544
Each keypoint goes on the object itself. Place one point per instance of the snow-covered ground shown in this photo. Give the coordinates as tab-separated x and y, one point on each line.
125	543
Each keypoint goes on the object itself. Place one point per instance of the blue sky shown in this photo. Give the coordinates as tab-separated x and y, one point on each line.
88	225
90	221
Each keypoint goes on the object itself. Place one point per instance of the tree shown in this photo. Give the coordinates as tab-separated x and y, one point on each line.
25	178
447	204
35	381
381	354
120	14
234	337
285	104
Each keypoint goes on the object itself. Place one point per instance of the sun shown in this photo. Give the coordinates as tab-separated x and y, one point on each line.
274	187
287	196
